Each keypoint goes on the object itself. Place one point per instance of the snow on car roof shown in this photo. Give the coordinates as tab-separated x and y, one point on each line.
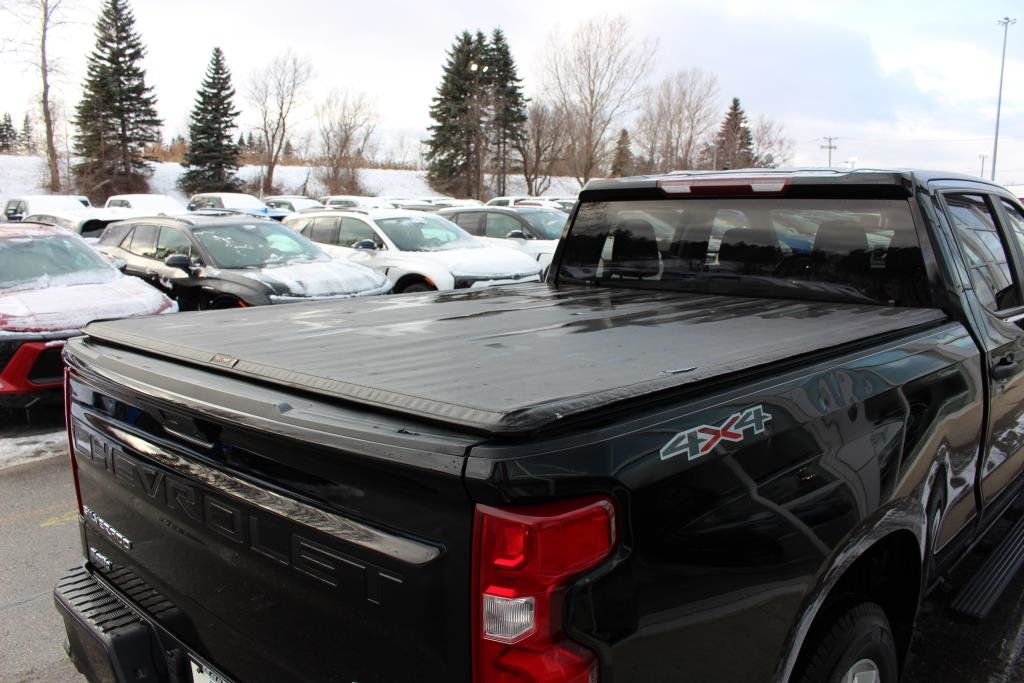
22	230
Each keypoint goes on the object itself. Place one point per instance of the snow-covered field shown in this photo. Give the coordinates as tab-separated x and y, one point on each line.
21	175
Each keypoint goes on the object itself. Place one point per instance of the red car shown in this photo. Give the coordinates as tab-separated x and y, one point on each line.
51	284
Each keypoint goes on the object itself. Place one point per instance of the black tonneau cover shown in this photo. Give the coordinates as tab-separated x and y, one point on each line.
506	360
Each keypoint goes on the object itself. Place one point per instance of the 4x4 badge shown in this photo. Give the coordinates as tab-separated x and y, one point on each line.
693	443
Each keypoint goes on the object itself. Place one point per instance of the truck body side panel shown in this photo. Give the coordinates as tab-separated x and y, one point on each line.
724	554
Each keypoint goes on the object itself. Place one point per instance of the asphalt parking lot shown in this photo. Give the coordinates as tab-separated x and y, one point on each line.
39	541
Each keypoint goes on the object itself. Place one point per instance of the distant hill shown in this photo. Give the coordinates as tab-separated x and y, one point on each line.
21	175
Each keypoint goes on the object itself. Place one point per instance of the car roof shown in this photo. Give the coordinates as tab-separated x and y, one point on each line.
801	176
137	194
197	220
289	196
224	194
23	229
372	214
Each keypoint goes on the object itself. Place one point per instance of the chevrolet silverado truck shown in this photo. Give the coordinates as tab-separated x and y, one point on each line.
745	424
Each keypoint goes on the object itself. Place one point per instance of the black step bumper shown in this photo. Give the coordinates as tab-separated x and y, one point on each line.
110	641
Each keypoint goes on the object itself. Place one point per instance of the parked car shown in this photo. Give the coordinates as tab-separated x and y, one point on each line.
658	465
89	223
411	204
534	231
150	203
51	284
235	201
18	208
206	262
348	201
417	251
292	203
506	201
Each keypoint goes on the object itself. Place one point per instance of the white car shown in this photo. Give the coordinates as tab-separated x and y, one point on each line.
238	202
17	208
293	203
89	223
532	230
417	251
352	201
155	204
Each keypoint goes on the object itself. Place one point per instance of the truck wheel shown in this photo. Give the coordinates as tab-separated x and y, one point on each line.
858	647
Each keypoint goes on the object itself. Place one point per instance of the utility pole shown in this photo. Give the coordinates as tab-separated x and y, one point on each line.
1005	22
829	147
981	173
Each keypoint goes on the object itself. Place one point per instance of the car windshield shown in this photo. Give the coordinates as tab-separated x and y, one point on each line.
32	262
256	245
548	224
426	233
303	203
853	250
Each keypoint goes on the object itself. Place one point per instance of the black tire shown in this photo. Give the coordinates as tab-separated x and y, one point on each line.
417	287
861	633
222	302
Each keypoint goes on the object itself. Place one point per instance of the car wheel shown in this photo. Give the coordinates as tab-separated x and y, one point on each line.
418	287
857	647
222	302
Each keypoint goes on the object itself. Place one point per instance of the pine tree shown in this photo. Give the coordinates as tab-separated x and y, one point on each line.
241	142
508	119
734	145
27	138
622	162
212	157
288	152
116	117
250	144
454	149
8	135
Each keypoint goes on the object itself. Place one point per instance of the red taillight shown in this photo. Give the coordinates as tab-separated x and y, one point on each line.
523	559
71	437
727	185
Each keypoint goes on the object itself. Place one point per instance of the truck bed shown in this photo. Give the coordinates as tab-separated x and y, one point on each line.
506	360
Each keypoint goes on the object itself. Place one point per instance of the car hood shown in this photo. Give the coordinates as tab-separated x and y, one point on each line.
485	262
321	279
69	307
532	247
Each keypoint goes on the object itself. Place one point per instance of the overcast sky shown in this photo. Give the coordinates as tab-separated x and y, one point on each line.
909	83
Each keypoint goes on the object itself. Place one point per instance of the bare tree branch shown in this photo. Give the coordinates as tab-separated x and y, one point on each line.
274	92
771	146
676	120
542	144
346	124
594	75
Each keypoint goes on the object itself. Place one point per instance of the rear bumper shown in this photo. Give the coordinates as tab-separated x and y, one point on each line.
31	371
109	641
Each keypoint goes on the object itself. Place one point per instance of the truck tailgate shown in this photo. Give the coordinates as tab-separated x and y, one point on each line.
274	536
511	359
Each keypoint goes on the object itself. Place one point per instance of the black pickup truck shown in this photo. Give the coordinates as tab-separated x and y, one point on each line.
748	421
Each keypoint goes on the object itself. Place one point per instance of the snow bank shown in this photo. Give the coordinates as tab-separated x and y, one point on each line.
21	449
23	175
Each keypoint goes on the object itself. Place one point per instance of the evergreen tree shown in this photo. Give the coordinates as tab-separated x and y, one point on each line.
622	162
288	152
8	135
27	138
212	156
508	118
116	117
734	145
241	142
250	144
454	151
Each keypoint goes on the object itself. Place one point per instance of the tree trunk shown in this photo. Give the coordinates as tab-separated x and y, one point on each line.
51	147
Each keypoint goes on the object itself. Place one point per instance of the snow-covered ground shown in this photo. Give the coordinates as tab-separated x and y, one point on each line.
17	450
21	175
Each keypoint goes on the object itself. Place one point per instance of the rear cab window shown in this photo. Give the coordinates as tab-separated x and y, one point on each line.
857	250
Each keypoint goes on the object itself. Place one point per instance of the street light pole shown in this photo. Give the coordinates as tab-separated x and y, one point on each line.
1005	21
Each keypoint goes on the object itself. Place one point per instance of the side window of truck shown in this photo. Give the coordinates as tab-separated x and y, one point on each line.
1015	221
984	252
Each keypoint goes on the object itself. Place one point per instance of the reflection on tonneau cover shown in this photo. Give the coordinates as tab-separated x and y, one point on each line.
510	359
